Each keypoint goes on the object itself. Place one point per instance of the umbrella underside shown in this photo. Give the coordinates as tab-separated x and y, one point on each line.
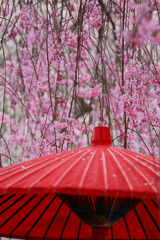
47	217
99	211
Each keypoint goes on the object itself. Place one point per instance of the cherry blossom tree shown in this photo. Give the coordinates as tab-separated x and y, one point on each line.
69	65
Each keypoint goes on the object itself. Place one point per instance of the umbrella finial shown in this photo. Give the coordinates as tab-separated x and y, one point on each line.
101	136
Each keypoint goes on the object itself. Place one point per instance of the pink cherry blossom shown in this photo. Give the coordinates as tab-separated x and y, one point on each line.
60	126
94	92
74	67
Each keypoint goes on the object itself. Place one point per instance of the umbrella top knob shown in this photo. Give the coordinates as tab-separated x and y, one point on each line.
101	136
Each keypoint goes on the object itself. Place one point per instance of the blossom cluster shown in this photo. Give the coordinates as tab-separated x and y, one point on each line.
68	67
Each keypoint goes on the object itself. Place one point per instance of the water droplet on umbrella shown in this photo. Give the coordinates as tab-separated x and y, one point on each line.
114	175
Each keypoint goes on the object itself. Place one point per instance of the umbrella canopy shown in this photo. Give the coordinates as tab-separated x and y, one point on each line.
98	170
121	177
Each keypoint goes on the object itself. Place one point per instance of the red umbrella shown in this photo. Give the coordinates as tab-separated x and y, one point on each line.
102	184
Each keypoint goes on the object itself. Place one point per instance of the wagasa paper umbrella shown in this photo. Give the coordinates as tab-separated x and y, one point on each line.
97	192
